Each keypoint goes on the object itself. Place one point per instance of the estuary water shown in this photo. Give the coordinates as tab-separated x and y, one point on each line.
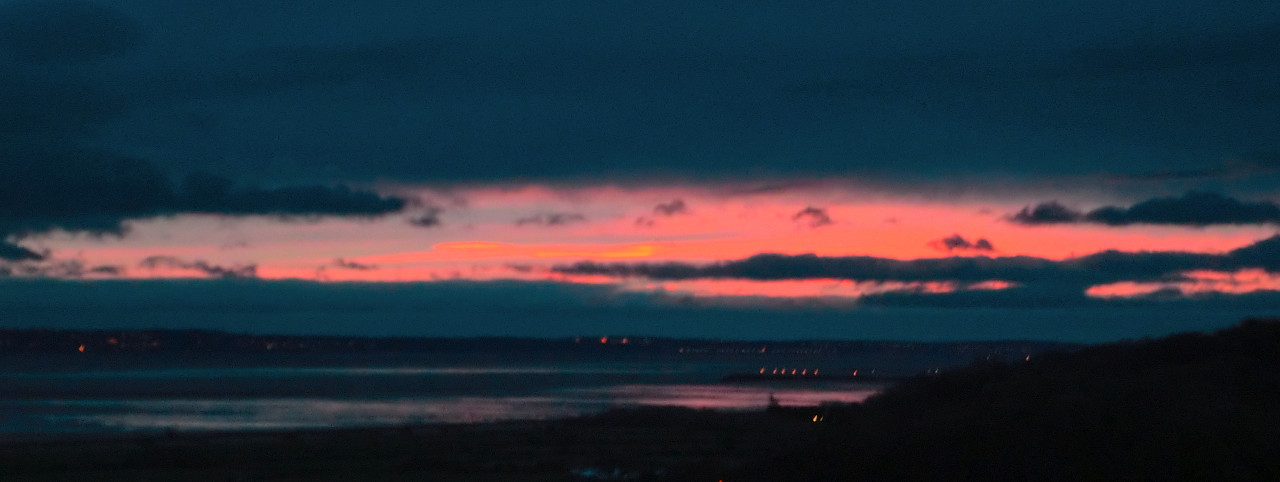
88	401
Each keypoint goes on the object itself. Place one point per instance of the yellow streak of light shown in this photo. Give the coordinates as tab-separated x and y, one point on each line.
638	251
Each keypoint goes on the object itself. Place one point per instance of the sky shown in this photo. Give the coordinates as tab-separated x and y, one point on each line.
1079	171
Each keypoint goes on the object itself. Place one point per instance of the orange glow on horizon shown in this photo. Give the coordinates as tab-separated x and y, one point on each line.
482	250
480	239
1198	282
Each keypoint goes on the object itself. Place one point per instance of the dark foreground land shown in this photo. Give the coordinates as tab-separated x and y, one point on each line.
639	444
1186	407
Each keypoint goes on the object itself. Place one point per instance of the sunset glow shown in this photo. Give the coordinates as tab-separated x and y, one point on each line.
488	239
882	160
1196	283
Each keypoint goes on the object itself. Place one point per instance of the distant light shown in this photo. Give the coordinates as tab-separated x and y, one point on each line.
855	373
626	340
604	339
81	349
762	370
1028	357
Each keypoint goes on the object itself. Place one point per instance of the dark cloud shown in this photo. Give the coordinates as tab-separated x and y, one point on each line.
1051	212
576	91
57	268
1191	209
672	208
79	192
49	90
815	217
1168	300
348	264
54	107
566	310
13	252
65	31
1074	273
1034	296
97	193
675	207
1264	254
755	188
210	270
1257	164
212	194
552	219
429	218
272	70
1248	49
956	242
772	267
107	270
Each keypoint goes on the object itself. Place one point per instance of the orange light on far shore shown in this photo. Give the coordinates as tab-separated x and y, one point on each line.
81	349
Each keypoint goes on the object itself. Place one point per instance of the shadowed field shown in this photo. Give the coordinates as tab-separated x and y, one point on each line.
648	443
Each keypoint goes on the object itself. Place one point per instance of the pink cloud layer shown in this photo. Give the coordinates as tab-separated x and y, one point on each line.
480	239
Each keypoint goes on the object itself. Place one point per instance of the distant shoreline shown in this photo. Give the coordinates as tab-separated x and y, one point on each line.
91	342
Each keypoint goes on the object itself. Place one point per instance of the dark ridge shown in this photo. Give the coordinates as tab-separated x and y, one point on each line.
1185	407
204	341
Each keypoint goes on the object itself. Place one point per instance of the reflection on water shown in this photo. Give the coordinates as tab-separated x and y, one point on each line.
278	413
285	413
250	398
730	397
285	372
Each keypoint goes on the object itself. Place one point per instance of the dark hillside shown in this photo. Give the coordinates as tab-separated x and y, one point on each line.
1185	407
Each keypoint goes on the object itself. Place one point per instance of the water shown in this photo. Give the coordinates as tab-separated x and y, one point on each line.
261	398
